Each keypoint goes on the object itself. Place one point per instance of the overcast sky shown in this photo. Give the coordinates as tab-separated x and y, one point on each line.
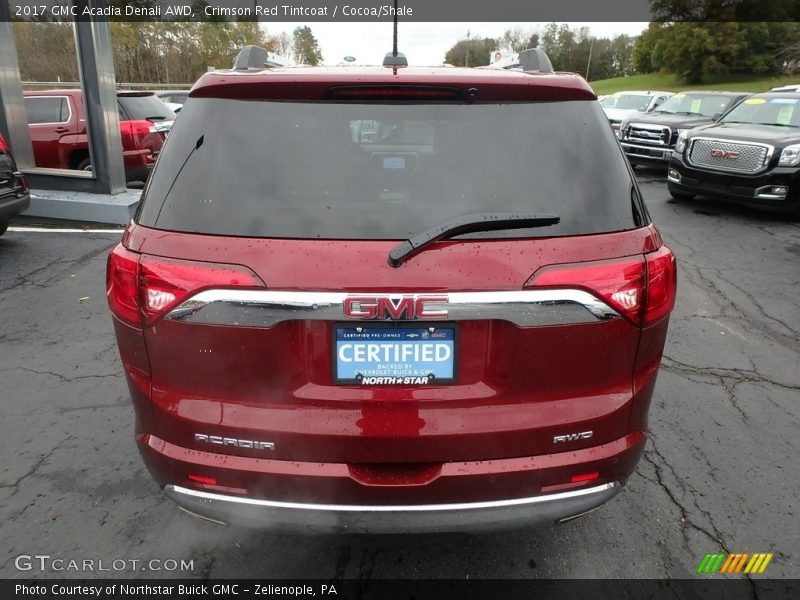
422	43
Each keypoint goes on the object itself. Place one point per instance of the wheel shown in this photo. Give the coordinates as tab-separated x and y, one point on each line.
3	227
680	195
85	165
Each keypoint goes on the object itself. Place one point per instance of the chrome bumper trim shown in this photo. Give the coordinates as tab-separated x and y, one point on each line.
265	308
421	518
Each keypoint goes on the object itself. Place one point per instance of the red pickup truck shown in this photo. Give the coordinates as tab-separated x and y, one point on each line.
57	125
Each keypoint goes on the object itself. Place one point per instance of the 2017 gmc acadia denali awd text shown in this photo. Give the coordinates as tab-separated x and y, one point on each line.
391	300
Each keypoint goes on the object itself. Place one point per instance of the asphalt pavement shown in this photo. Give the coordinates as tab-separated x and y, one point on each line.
720	472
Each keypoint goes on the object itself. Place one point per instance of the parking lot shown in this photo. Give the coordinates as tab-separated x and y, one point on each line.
719	472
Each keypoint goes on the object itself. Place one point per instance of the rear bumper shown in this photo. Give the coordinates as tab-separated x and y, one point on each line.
12	205
138	171
391	519
467	496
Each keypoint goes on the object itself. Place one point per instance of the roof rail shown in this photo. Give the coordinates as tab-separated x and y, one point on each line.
256	57
535	59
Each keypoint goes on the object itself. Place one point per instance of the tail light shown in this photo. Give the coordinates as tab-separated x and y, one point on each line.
142	288
121	272
3	145
641	288
395	92
662	285
136	128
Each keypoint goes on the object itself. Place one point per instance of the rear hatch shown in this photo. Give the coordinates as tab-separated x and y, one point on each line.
272	312
145	122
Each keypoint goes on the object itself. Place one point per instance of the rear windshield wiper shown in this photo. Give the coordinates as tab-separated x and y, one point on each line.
467	224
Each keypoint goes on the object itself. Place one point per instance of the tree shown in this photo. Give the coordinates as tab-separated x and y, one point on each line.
642	59
695	50
305	48
284	44
479	50
517	39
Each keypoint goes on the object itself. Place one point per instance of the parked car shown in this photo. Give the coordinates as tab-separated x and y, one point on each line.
175	99
57	126
623	105
751	156
648	138
787	88
14	193
453	324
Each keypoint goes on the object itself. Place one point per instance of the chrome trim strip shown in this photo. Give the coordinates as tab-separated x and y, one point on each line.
211	497
690	147
265	308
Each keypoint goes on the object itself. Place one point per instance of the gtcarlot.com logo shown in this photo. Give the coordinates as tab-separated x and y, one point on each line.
46	562
742	562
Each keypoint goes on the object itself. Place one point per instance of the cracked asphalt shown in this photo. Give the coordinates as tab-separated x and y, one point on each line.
720	472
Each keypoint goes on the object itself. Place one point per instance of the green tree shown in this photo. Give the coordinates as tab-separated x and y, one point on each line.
479	51
305	47
642	57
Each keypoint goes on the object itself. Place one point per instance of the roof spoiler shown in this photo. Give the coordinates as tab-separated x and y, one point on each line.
256	57
535	59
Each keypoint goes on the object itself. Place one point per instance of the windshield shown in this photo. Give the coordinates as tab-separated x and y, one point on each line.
706	105
767	111
630	101
385	171
147	106
608	101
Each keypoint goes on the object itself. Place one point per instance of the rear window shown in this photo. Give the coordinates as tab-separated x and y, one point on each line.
386	171
148	106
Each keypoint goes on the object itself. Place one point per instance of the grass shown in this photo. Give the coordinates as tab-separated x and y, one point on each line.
671	83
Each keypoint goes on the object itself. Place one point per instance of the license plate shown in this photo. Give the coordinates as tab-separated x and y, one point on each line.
398	355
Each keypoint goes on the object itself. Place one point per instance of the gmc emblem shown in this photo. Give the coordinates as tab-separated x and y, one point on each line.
382	308
720	153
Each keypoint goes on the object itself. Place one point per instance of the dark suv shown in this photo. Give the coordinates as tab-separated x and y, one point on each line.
391	300
752	156
14	194
649	138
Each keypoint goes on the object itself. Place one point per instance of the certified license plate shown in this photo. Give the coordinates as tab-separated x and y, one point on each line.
399	355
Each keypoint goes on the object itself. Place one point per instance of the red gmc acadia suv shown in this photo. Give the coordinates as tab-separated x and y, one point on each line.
57	126
391	300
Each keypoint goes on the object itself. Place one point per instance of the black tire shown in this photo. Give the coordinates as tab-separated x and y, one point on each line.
3	227
84	165
678	195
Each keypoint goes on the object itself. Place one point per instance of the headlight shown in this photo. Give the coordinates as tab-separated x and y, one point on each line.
790	156
680	145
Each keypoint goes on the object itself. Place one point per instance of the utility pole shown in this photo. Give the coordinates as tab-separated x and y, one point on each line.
466	52
589	62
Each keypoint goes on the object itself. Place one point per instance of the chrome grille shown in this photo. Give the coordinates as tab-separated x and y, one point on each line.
652	135
728	155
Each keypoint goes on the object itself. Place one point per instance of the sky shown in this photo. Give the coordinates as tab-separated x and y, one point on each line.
422	43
